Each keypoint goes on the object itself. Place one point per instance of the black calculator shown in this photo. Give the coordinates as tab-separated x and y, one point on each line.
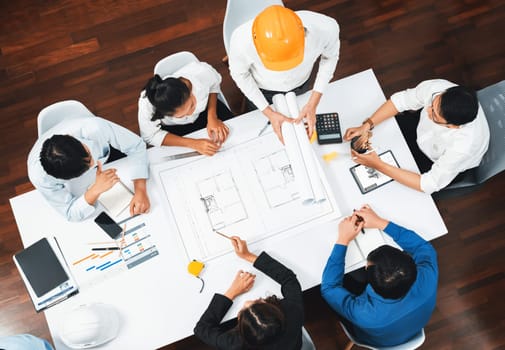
328	128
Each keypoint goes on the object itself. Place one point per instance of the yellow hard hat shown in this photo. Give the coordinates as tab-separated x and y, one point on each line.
279	38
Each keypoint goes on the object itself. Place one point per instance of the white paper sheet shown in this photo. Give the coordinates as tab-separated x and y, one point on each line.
247	190
116	199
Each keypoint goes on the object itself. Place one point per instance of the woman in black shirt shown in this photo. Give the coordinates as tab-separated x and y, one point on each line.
269	323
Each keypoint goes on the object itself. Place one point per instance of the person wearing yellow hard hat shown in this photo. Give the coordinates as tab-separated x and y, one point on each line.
275	53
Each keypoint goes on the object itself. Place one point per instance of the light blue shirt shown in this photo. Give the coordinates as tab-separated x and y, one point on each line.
24	342
376	320
67	196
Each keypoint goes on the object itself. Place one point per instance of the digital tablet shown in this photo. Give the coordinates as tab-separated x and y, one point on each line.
369	179
45	273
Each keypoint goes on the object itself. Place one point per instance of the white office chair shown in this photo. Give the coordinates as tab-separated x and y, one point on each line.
412	344
55	113
172	63
307	343
240	11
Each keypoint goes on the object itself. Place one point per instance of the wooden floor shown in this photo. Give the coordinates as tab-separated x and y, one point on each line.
102	52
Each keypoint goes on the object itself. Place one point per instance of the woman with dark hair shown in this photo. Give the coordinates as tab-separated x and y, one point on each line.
174	106
269	323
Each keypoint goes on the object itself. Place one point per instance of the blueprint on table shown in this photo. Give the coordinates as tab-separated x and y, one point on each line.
247	190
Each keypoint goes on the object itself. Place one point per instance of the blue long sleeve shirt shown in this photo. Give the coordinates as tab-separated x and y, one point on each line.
376	320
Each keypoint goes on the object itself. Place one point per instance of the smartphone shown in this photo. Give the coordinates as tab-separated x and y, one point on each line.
108	225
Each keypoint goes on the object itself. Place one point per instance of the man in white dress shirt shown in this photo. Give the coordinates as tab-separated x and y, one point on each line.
275	53
65	165
448	135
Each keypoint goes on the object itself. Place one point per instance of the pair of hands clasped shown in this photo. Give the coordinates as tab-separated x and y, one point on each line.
351	226
218	133
243	281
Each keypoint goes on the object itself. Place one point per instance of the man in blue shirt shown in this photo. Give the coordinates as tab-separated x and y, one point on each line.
402	285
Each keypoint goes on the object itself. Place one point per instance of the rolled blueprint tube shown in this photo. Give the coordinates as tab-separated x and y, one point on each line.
308	155
294	153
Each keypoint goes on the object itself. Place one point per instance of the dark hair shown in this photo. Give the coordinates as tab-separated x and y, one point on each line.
64	157
392	272
261	323
459	105
166	95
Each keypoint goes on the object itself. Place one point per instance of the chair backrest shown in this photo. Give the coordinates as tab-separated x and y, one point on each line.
412	344
307	343
240	11
57	112
492	100
171	64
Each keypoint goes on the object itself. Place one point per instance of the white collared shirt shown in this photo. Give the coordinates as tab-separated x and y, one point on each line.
249	73
451	150
204	80
67	196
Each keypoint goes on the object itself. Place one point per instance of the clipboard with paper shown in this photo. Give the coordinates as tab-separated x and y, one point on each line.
45	273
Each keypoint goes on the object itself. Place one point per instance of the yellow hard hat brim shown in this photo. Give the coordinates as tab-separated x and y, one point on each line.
282	65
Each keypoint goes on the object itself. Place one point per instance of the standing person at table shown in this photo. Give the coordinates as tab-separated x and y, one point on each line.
173	106
268	323
402	285
65	165
275	53
447	135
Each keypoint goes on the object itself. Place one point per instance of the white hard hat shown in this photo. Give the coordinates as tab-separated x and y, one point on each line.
89	325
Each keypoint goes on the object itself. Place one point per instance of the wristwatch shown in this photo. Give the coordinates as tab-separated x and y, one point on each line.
370	122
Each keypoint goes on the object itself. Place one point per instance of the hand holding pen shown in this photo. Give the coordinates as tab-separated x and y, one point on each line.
370	218
240	247
264	128
242	250
359	220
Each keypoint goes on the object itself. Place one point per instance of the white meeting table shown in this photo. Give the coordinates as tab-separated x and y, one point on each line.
159	302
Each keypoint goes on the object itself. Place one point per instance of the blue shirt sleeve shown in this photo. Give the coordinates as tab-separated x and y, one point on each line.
332	285
421	250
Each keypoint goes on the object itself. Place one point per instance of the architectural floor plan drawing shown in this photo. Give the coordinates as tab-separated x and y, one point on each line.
247	190
276	177
221	199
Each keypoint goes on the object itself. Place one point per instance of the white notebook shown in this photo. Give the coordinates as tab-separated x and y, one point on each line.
116	200
362	245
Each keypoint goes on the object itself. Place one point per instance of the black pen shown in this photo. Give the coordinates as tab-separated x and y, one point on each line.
264	128
106	248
